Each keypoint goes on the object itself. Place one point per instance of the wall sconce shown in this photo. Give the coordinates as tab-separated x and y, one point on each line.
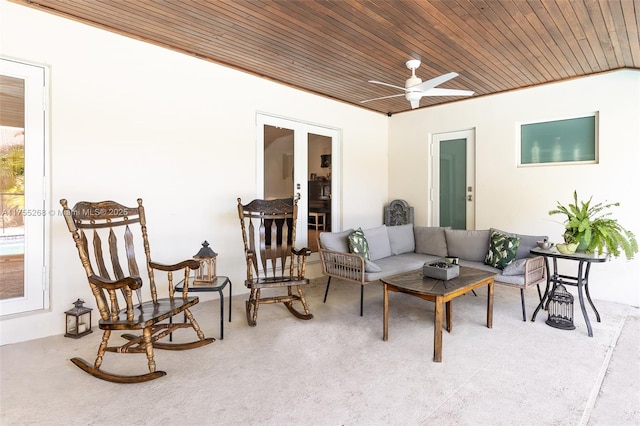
206	274
78	322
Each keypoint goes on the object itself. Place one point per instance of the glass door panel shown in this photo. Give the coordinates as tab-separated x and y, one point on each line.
12	188
278	162
284	167
453	180
319	187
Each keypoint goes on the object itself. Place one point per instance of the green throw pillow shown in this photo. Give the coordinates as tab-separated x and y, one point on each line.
358	244
502	250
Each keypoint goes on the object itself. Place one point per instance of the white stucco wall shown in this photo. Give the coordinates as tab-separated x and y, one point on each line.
518	199
131	120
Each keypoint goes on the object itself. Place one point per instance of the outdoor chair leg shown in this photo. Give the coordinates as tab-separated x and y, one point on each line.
524	315
361	299
539	293
326	292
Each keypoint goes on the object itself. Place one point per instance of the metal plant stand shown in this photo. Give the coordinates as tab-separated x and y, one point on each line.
581	280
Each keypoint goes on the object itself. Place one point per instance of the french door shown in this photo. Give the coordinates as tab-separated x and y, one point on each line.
23	191
290	154
453	179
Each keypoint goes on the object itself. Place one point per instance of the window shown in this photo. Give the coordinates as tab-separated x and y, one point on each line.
25	218
562	141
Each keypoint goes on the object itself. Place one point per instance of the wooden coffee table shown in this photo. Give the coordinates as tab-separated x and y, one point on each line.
438	291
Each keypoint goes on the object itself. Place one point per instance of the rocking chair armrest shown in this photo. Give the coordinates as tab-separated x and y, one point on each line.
190	263
133	283
302	252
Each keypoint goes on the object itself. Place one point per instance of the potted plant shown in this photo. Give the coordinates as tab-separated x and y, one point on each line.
591	226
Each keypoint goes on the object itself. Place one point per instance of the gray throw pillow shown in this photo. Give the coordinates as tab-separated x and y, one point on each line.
378	241
467	245
431	240
336	241
515	268
401	239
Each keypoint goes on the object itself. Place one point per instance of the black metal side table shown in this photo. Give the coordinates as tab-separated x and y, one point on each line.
581	280
217	285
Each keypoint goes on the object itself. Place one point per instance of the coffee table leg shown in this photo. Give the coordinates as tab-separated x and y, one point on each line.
437	331
449	319
490	305
385	313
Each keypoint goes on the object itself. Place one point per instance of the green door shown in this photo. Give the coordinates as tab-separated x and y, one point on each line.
452	197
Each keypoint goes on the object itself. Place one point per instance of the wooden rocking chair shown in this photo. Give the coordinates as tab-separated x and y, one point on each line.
91	223
269	233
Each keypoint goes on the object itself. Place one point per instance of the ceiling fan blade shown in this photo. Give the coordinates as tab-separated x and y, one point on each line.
387	84
383	97
436	91
429	84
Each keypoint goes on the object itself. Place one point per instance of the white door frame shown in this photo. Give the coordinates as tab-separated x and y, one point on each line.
434	187
36	208
300	175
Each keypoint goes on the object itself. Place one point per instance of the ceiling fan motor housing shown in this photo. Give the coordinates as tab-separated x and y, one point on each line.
413	96
412	81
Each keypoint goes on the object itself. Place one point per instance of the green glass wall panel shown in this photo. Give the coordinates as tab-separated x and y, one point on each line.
453	180
558	141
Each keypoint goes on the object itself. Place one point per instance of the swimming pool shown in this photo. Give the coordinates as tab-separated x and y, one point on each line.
11	245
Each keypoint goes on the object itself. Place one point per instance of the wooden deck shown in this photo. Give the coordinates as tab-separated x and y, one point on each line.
11	276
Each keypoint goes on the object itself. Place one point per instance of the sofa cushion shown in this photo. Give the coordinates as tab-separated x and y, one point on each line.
398	264
502	249
467	244
401	239
358	243
431	240
336	241
527	242
378	241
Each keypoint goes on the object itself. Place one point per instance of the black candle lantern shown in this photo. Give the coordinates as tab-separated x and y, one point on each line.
561	309
78	322
206	274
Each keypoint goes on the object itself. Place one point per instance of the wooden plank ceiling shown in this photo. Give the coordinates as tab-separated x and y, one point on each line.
333	47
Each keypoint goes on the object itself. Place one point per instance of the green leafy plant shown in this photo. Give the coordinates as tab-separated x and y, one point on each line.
591	226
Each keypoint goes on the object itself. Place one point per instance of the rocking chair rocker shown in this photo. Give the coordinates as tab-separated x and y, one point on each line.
90	223
269	233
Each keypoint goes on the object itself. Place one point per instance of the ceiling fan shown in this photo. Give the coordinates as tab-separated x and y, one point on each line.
415	88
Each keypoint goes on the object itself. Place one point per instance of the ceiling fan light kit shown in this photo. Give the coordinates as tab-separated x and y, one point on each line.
415	89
